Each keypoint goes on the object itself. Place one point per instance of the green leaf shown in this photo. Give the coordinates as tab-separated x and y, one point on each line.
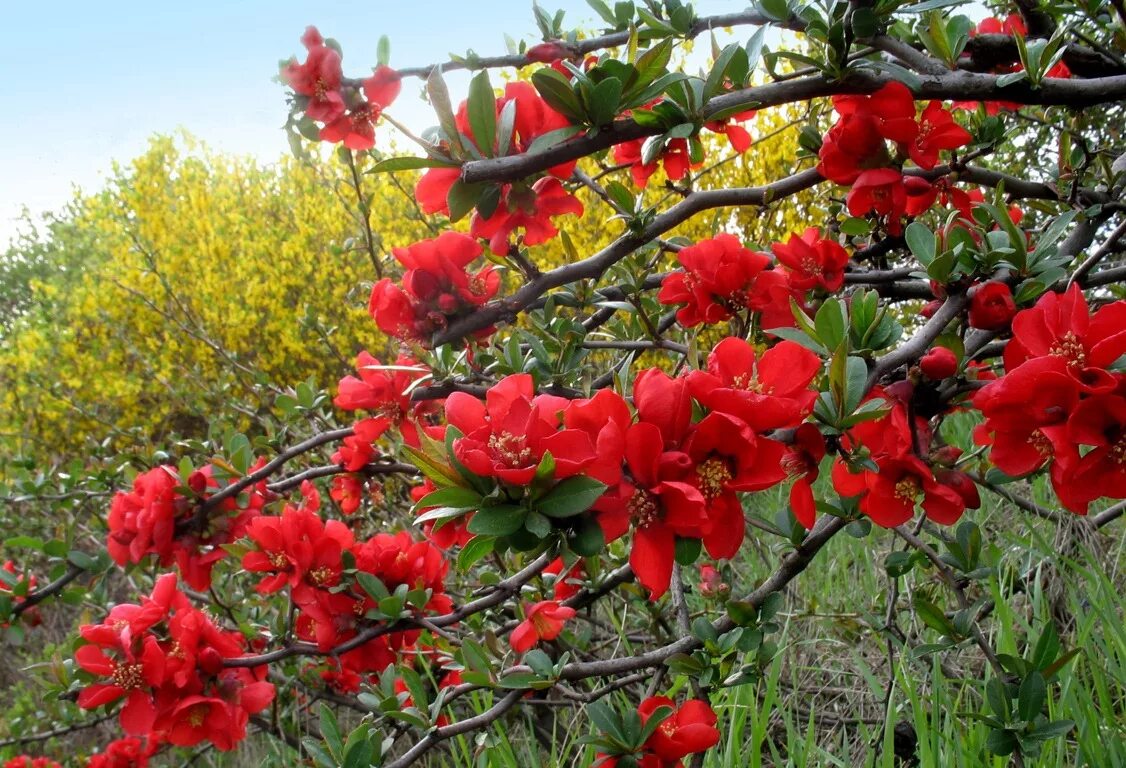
688	550
556	90
441	474
921	241
587	539
570	497
372	585
1030	698
1001	742
775	10
856	227
998	698
537	525
482	110
440	100
551	138
605	100
933	617
81	560
501	520
475	549
383	51
330	731
462	198
865	23
453	496
393	164
831	321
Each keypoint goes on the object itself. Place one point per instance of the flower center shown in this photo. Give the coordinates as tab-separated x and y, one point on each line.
812	267
1118	450
197	715
907	489
128	676
748	382
714	474
320	575
1041	443
511	449
642	508
277	559
1070	348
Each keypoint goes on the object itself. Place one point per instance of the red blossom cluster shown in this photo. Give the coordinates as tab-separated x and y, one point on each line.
30	616
721	278
681	477
905	466
527	205
1061	404
384	392
160	517
317	562
690	729
26	761
129	752
165	658
855	151
680	155
349	113
435	289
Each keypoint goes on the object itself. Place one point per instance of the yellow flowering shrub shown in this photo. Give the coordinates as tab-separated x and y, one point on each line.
199	284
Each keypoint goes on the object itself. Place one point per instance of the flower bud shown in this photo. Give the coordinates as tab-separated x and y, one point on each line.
939	363
991	306
548	52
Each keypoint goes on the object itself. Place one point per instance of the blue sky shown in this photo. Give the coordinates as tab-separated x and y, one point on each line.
87	83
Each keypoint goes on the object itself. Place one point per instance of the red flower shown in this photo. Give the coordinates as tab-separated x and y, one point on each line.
889	496
857	141
533	118
813	262
802	462
605	418
664	402
128	752
739	137
358	449
729	457
299	549
879	191
566	578
717	275
991	306
384	390
531	209
660	502
1061	325
674	157
691	728
318	78
937	131
348	492
771	392
452	532
435	287
939	363
922	194
506	436
1099	422
1026	413
542	621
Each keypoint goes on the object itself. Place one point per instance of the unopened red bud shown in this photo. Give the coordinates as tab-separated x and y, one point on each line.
916	185
197	481
938	290
930	308
209	661
939	363
548	52
947	455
